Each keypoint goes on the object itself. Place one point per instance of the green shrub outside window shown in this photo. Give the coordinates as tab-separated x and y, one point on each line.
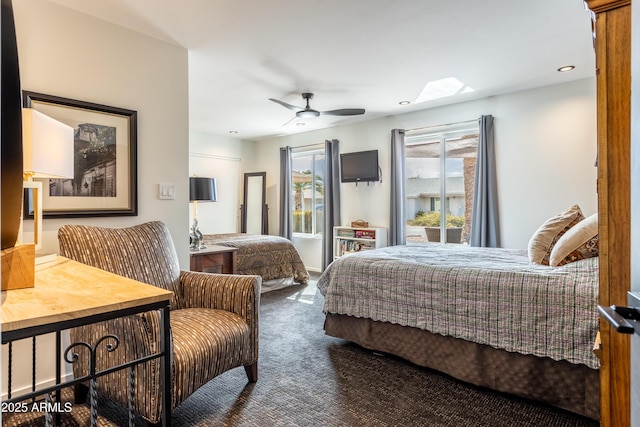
432	219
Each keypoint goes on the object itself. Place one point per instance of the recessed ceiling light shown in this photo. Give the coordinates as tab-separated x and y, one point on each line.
566	68
233	131
300	124
404	102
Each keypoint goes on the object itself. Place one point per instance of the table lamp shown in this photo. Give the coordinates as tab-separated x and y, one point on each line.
200	190
48	148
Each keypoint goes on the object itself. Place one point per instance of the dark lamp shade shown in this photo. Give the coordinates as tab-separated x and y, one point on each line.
202	189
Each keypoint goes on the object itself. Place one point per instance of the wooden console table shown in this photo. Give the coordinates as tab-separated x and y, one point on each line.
214	259
68	294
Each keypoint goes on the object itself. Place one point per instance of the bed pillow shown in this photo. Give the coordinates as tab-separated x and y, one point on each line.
580	242
547	234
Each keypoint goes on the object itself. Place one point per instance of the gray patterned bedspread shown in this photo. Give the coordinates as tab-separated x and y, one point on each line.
484	295
272	257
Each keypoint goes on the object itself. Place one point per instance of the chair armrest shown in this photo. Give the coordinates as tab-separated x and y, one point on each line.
239	294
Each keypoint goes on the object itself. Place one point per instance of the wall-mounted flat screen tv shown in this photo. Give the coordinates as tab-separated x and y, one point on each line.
361	166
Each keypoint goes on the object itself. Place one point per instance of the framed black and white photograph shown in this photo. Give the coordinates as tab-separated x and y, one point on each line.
104	179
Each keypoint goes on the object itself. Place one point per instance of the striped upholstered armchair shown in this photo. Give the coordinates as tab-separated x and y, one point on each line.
214	317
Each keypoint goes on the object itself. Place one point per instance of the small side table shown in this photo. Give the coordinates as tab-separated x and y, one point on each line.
214	259
68	294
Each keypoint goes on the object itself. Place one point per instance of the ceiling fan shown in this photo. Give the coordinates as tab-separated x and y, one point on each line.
308	112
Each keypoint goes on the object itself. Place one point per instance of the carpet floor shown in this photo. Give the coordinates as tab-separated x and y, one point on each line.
309	379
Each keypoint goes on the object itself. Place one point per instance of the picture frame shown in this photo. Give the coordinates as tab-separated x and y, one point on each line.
105	160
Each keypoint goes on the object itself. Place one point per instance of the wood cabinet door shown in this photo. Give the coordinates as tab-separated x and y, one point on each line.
613	66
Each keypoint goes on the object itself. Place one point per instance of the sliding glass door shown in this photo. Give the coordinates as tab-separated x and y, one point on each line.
440	171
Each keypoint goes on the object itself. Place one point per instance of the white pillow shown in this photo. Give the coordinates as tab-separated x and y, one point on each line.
579	242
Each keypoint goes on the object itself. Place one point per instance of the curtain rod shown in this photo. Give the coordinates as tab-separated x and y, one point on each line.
444	125
317	144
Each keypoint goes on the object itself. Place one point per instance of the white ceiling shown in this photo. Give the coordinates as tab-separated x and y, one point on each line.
368	54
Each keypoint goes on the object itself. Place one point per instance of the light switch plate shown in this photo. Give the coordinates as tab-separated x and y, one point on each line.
166	191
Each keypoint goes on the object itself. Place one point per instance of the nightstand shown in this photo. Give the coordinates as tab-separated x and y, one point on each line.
214	259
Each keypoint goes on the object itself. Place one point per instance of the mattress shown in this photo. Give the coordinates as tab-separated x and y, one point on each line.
272	257
489	296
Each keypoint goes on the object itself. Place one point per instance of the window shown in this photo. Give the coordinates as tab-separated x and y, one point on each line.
307	177
451	153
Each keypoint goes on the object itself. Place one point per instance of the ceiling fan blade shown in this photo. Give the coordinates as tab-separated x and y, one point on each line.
284	104
344	112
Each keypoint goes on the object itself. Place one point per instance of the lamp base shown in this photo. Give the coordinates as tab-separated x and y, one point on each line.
196	237
18	267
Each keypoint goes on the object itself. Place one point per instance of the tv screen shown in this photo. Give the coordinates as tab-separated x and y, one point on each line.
361	166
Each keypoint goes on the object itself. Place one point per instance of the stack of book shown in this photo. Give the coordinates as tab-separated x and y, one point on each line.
345	232
352	246
365	234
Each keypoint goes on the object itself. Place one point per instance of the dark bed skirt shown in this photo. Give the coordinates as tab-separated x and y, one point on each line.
558	383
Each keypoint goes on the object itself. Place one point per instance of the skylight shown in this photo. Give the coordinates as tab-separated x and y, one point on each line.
442	88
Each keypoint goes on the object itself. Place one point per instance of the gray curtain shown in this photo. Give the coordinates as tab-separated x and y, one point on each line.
331	198
397	232
286	218
484	222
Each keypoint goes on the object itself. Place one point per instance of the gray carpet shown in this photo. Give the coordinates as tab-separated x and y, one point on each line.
309	379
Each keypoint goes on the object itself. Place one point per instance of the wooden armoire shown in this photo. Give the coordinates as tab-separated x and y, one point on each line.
612	42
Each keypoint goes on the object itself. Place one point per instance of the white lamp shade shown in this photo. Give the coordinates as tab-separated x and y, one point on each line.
47	146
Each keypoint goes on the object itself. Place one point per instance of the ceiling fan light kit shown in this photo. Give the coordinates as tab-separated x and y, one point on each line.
307	112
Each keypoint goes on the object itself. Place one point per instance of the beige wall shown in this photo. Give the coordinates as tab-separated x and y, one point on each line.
72	55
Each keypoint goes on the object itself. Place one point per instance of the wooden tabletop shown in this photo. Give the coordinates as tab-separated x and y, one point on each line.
212	249
66	290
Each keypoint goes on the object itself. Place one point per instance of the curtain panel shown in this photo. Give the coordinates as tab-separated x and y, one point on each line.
397	231
286	218
331	198
484	223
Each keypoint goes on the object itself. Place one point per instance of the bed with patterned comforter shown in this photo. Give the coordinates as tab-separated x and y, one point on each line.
491	297
272	257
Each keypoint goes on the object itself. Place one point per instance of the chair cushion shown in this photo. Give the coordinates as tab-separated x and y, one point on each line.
206	343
